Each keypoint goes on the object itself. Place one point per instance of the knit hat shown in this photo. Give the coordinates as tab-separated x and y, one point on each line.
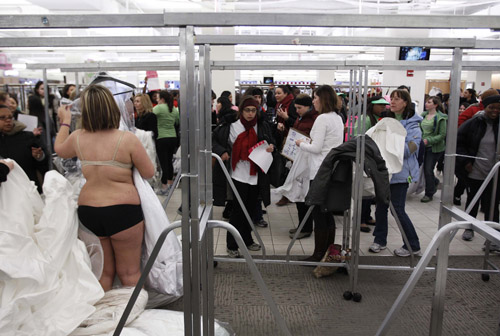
491	100
304	100
249	101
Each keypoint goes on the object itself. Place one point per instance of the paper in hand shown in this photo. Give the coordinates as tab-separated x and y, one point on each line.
260	156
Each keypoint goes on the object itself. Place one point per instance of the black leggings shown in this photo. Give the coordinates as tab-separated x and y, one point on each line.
109	220
165	148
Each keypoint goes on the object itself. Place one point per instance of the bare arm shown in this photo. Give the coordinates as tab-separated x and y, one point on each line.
64	144
140	158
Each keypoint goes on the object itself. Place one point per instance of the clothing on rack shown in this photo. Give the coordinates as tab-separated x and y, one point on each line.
331	188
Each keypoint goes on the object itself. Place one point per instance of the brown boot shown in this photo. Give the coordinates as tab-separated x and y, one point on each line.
283	201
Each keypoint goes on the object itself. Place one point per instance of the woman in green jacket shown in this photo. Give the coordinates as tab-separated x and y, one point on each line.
166	144
433	128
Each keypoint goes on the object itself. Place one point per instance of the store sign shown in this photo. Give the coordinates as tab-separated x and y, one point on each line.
409	73
4	63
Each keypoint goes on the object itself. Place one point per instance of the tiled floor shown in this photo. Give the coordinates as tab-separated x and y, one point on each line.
275	237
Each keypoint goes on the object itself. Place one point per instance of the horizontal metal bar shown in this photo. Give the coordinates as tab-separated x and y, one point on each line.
335	41
487	44
480	227
81	21
248	19
88	41
364	267
331	20
265	65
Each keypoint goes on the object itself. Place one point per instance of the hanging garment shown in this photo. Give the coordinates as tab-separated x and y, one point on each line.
166	275
389	135
296	184
331	188
47	285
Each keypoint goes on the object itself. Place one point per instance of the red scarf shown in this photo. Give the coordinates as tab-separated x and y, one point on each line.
245	140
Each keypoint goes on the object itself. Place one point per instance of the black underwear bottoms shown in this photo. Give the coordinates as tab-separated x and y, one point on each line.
109	220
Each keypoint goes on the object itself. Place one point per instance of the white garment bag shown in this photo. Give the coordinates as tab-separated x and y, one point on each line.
296	184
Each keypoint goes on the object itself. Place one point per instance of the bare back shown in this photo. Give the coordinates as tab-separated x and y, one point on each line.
106	184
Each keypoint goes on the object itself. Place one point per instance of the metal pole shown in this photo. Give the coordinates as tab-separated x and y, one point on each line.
299	229
240	201
47	118
144	275
77	84
186	225
255	272
451	138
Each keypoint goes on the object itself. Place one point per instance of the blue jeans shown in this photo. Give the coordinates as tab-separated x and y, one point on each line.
430	160
398	199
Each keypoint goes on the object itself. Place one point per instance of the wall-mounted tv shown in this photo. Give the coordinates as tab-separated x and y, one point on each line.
268	80
414	53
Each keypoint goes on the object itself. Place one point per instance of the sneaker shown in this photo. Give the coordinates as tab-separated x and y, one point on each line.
233	253
261	223
457	201
468	235
254	247
292	231
426	199
376	248
301	235
364	228
402	252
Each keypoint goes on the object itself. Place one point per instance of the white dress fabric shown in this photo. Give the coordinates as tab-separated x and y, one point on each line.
296	185
46	284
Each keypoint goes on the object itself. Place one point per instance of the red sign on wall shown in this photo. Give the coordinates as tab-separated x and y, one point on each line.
409	73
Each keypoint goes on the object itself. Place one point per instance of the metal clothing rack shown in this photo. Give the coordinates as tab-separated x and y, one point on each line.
195	99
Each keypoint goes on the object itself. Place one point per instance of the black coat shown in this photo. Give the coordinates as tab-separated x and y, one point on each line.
148	122
18	148
469	136
220	145
331	187
4	170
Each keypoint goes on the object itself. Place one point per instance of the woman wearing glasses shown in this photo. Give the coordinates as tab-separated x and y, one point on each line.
232	141
21	146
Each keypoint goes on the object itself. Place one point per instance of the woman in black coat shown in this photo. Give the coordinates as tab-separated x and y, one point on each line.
231	141
477	137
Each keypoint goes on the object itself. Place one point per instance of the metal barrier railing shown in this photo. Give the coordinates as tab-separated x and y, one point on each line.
211	224
442	240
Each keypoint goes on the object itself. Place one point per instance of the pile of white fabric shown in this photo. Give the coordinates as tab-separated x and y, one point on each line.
46	283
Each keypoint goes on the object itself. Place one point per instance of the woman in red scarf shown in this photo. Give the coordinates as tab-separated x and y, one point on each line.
232	141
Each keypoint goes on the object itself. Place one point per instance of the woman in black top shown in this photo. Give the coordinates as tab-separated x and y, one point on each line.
146	119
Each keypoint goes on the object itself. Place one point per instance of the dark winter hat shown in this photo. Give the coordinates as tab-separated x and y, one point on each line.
491	100
304	100
249	101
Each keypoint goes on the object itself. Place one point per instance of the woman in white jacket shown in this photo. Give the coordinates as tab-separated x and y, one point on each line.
327	133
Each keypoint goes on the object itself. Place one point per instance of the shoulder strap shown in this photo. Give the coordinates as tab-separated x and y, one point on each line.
78	145
118	145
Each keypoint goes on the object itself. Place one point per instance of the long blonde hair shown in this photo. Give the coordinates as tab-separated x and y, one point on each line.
99	109
146	103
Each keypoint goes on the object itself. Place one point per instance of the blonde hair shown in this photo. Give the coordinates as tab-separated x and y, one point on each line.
146	103
99	109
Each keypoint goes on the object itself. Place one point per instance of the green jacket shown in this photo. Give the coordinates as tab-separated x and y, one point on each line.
438	136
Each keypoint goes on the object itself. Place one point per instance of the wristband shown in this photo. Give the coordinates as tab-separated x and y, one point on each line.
63	124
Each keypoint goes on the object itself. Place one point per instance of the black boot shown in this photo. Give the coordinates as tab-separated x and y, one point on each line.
321	243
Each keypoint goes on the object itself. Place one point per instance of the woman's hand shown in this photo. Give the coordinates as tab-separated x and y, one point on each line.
64	114
37	153
270	149
298	142
426	142
280	127
282	113
37	131
468	167
9	164
225	156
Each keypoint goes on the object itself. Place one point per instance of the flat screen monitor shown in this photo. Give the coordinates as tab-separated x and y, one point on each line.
268	80
414	53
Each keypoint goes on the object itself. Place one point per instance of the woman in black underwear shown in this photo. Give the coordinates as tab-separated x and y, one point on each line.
108	204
